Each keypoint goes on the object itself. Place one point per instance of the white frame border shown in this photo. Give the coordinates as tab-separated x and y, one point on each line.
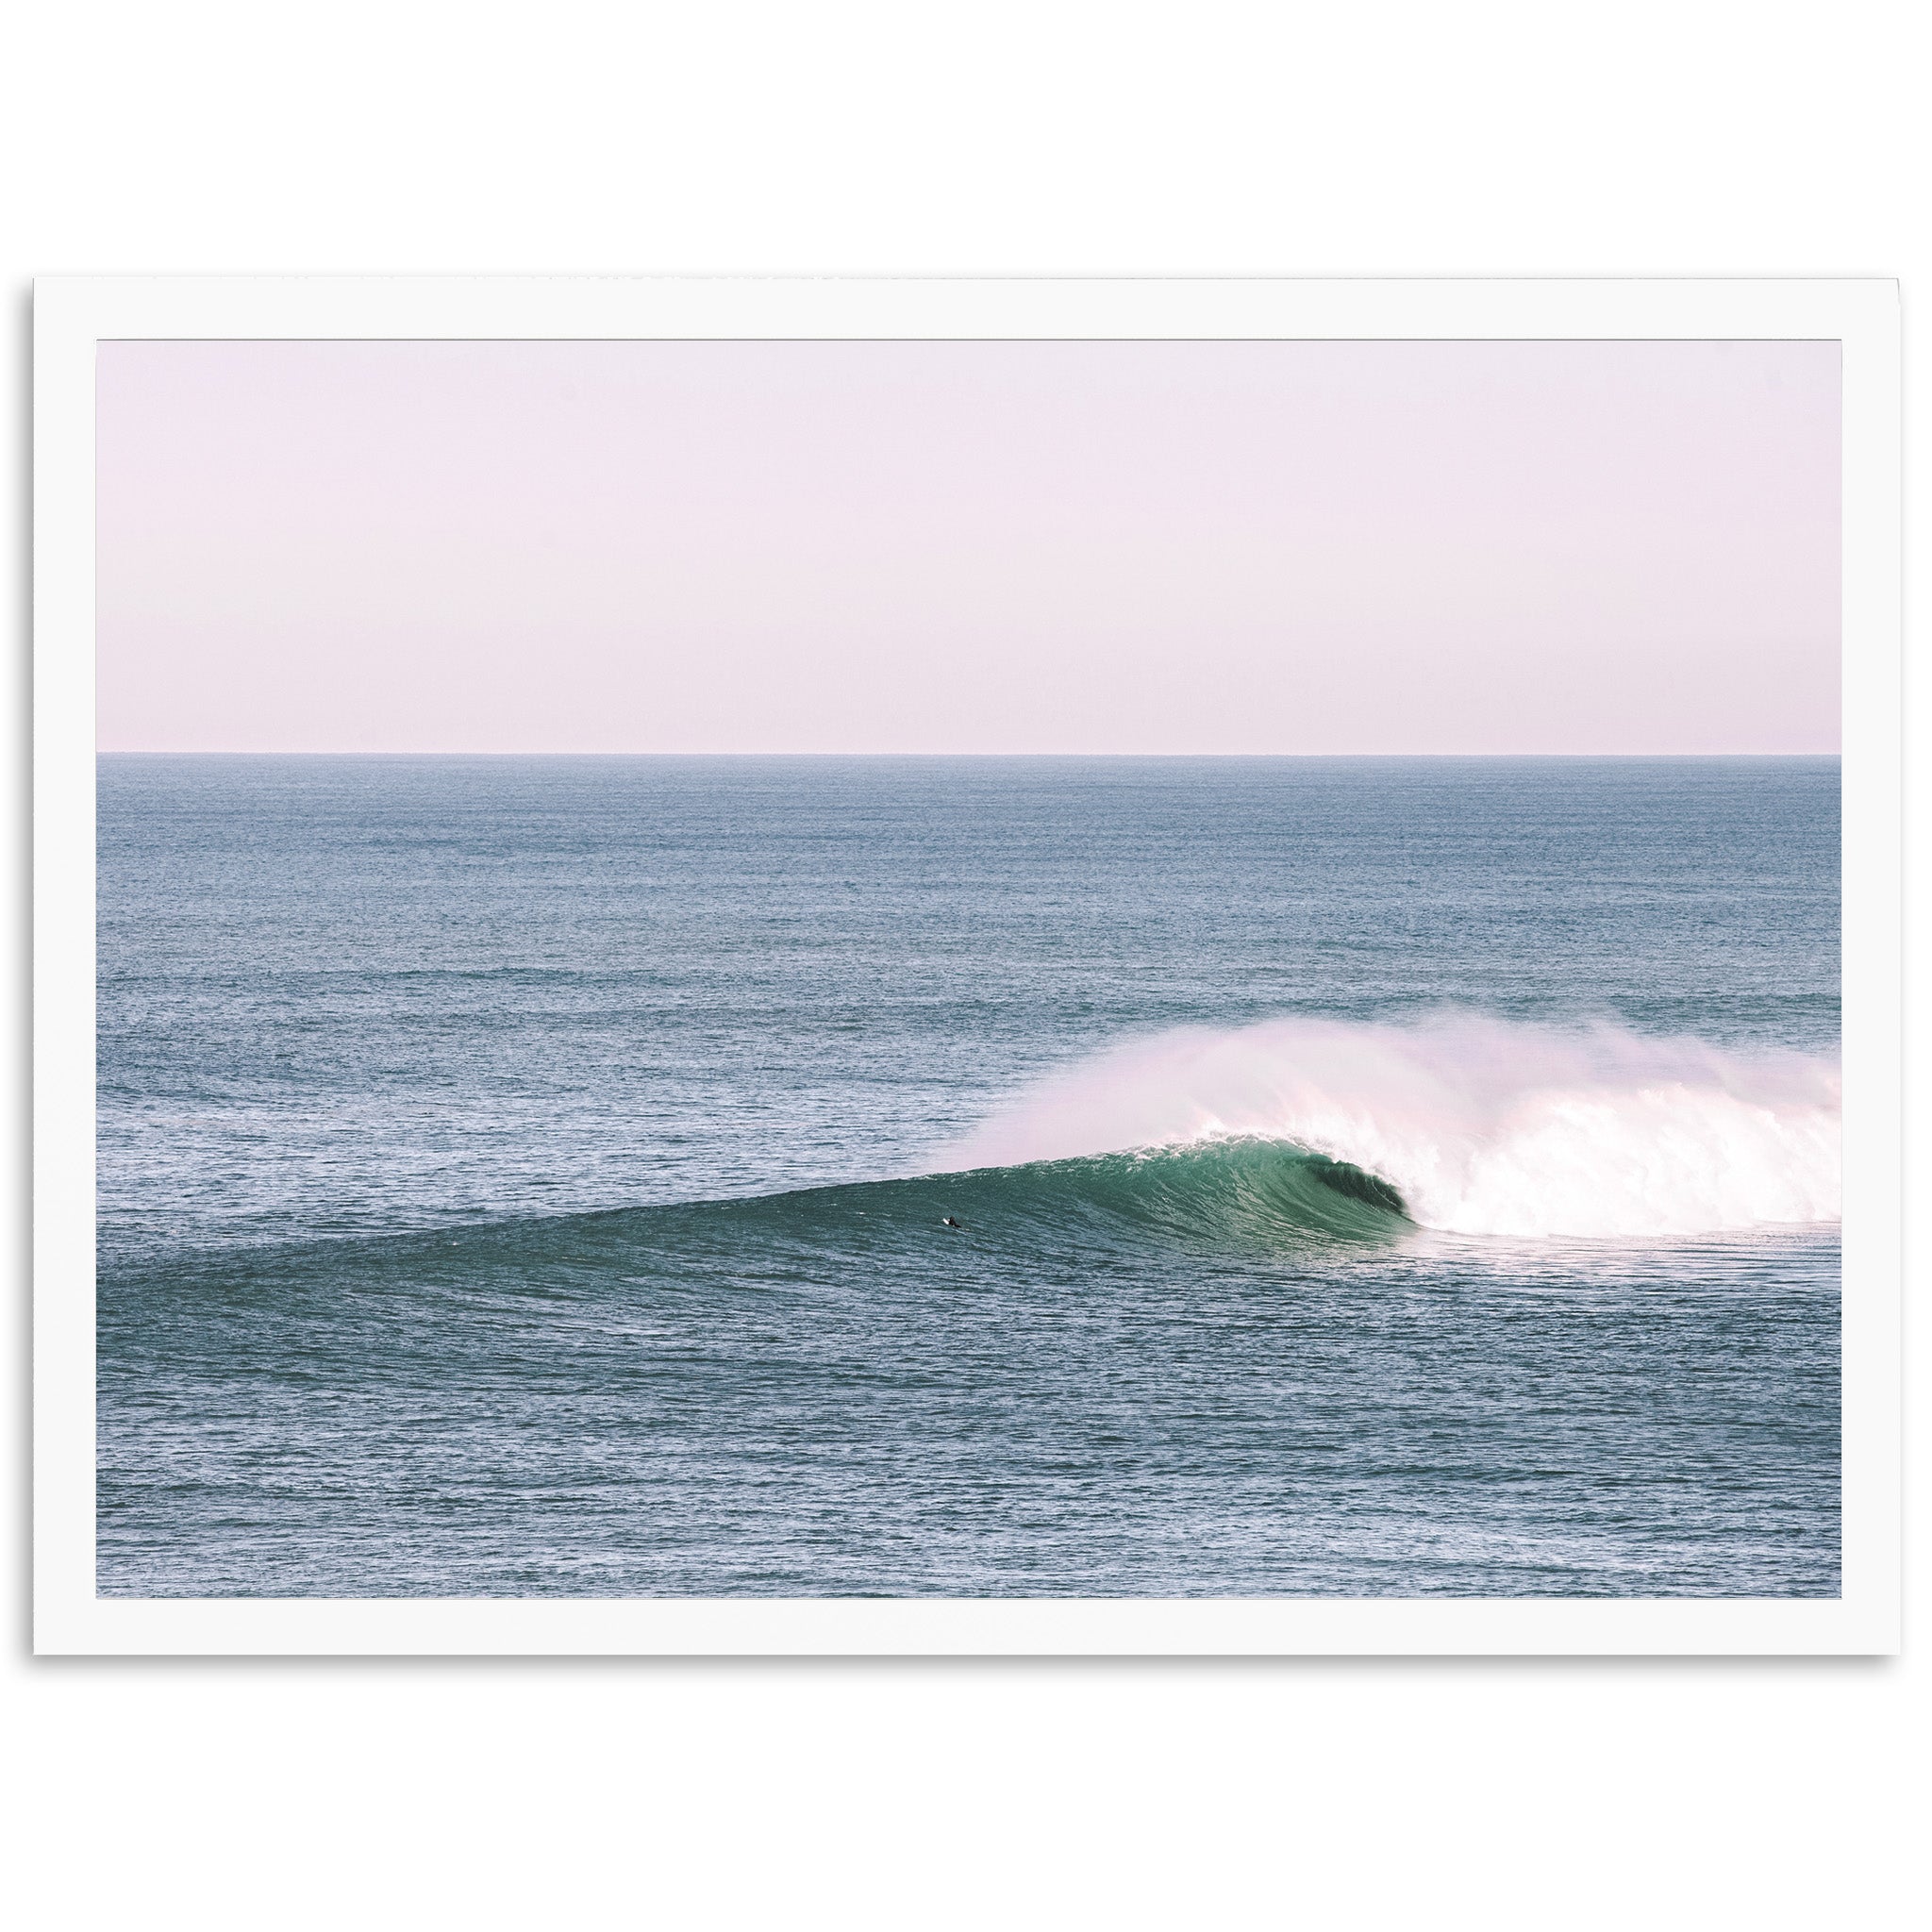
73	314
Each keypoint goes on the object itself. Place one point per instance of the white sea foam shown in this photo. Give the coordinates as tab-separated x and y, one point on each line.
1486	1126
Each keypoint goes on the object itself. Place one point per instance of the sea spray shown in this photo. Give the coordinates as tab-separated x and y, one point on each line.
1483	1126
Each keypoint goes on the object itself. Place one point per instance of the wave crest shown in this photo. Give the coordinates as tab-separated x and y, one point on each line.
1480	1125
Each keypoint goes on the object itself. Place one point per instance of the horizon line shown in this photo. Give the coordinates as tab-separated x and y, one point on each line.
543	752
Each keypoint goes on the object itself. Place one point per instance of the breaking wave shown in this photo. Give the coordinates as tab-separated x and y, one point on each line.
1467	1124
1244	1191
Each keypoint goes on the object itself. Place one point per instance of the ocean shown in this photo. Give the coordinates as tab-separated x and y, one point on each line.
1207	1177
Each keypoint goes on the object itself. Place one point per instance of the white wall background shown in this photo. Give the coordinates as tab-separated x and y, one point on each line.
1690	136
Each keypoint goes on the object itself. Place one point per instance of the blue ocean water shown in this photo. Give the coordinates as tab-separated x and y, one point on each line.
530	1175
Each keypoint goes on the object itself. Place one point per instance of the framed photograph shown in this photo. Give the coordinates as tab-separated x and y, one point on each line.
1168	967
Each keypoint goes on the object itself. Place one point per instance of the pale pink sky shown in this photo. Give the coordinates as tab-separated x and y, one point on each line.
969	546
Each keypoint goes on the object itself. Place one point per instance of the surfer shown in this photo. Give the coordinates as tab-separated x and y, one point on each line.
947	1220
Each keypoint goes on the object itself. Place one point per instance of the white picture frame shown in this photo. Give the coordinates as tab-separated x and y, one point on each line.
72	315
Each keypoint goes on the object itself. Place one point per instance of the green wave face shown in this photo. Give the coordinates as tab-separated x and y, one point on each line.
1104	1217
1238	1193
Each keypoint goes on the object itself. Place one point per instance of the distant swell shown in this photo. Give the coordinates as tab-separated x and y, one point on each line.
1473	1126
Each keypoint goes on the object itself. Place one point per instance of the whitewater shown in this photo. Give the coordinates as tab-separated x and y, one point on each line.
1484	1126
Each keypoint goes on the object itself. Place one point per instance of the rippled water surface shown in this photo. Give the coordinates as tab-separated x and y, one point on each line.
526	1176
